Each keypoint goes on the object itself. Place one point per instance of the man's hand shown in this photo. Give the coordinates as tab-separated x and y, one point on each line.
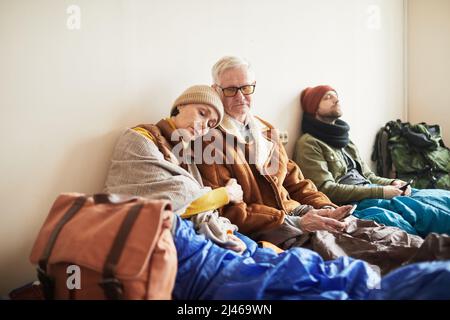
390	192
313	221
338	213
400	183
234	190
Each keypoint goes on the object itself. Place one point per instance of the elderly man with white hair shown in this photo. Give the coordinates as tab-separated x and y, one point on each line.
282	207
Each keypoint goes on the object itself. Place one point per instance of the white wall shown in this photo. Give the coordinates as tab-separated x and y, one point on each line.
429	63
66	94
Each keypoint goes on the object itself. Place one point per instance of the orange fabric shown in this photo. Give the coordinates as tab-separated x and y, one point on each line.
266	244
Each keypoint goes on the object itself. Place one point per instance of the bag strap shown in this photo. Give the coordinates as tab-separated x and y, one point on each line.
385	154
380	153
112	287
48	282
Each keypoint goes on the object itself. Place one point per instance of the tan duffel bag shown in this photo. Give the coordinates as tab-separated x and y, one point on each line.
106	246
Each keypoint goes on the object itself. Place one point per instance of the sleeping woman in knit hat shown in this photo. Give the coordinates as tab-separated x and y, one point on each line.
149	160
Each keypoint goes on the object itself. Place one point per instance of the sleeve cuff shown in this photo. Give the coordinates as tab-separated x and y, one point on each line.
222	195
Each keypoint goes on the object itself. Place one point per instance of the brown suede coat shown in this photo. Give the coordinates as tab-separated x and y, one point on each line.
267	198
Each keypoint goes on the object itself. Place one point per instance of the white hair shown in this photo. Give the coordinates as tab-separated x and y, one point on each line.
229	62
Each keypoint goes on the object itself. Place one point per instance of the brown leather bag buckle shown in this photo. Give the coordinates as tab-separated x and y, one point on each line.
47	282
112	288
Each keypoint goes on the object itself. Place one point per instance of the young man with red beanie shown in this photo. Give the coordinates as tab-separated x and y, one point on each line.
328	157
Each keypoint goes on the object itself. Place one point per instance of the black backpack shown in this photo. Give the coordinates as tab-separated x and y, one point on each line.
417	152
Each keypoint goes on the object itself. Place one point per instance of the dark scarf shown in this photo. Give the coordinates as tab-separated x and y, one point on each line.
336	135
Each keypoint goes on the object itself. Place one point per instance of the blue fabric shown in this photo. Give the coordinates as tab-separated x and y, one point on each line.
206	271
426	280
425	211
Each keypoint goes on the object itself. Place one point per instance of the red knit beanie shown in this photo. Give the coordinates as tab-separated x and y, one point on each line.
310	98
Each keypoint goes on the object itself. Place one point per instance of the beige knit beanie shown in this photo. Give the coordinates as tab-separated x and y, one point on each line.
201	94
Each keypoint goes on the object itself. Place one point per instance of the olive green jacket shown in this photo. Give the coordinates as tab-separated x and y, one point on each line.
325	165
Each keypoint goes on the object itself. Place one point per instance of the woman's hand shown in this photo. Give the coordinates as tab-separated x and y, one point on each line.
234	190
239	246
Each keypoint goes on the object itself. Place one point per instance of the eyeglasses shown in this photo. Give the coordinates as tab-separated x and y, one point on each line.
232	91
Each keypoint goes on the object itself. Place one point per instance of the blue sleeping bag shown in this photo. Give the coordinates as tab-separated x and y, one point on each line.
207	271
425	211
